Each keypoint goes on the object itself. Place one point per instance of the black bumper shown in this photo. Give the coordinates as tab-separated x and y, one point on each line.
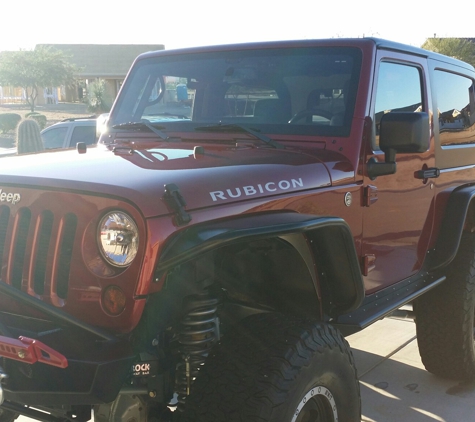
98	363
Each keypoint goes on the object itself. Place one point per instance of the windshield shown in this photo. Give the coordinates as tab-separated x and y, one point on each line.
284	91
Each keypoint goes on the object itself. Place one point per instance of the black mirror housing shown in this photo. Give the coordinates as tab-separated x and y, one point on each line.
404	132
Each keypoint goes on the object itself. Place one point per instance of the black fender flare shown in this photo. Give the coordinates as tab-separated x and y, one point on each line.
451	228
324	242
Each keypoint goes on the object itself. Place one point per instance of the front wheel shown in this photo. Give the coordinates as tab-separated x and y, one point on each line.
277	369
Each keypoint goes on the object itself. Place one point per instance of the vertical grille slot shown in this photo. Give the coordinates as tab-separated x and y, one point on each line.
42	247
21	229
65	254
4	218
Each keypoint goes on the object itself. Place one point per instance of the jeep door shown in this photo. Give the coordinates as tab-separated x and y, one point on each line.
398	217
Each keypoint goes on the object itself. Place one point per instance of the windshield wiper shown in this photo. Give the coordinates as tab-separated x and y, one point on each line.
167	114
234	127
143	123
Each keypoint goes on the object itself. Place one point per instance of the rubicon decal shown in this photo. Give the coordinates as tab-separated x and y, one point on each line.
12	197
251	190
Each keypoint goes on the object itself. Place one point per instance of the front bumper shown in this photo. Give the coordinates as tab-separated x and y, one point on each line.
56	360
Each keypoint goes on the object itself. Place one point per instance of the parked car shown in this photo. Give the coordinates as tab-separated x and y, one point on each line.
69	132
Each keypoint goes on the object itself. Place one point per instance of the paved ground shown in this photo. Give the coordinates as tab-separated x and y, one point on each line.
394	385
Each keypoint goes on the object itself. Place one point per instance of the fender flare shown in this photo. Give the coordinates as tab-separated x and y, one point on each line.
451	228
323	241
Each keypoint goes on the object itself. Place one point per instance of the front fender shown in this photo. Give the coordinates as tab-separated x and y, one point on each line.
328	246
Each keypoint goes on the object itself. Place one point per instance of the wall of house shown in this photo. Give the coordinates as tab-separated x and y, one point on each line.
11	95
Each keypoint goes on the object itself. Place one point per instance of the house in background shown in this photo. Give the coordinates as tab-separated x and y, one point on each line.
109	62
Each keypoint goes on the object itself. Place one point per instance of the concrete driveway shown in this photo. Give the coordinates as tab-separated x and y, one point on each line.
395	387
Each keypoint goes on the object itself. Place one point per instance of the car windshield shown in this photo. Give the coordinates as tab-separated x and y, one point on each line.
307	90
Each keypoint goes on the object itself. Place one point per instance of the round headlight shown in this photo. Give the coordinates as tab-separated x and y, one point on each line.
118	238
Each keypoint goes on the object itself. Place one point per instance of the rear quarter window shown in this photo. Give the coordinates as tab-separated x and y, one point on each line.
453	92
455	108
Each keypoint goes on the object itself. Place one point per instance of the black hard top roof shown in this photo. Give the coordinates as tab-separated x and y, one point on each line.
348	42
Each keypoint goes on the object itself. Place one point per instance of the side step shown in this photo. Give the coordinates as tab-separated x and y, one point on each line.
384	303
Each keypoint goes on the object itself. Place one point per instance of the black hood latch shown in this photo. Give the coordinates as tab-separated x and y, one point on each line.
176	203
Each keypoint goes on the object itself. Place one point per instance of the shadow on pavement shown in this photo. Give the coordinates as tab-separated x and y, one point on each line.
397	389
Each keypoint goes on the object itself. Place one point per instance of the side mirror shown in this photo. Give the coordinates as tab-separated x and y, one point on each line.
400	133
404	133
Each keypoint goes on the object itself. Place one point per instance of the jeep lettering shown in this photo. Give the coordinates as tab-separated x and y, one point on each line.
14	198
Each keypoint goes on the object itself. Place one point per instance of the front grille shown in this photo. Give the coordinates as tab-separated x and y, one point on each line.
36	251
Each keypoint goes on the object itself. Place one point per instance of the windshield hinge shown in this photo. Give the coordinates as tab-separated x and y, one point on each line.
176	203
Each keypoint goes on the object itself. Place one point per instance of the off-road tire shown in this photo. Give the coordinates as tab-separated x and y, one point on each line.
445	318
270	367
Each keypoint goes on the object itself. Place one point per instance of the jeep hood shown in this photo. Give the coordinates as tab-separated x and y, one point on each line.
205	177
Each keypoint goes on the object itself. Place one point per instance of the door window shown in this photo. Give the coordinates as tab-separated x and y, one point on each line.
86	134
54	138
399	90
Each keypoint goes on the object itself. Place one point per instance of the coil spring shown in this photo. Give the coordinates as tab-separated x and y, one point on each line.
199	330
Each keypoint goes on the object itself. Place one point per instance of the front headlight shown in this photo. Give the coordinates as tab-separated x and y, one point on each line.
118	238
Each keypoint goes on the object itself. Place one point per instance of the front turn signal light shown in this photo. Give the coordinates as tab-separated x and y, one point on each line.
113	300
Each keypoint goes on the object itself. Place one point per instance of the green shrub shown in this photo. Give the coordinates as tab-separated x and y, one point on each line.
38	118
97	99
9	121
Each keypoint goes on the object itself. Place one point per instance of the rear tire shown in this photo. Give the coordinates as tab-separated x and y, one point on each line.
277	369
445	318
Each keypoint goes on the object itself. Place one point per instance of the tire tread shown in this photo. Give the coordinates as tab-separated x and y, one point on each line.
444	318
251	373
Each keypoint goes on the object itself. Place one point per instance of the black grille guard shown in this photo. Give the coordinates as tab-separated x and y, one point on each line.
74	363
54	313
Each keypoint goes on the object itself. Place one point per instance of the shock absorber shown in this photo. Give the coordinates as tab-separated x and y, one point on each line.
199	330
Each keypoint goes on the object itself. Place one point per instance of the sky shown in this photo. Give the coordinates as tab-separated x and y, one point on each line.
188	23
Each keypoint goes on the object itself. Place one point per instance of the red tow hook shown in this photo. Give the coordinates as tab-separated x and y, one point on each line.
28	350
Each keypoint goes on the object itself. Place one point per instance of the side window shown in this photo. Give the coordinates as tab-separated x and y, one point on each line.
54	138
85	134
455	108
399	89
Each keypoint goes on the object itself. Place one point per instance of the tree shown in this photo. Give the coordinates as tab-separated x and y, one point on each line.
35	69
459	48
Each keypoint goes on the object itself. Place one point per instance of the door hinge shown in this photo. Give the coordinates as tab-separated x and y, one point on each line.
370	195
368	264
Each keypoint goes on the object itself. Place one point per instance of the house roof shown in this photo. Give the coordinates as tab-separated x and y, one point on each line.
104	60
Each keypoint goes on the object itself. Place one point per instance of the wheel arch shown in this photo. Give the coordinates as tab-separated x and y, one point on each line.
324	243
459	215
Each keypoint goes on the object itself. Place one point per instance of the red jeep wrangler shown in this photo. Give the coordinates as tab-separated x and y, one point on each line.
248	207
